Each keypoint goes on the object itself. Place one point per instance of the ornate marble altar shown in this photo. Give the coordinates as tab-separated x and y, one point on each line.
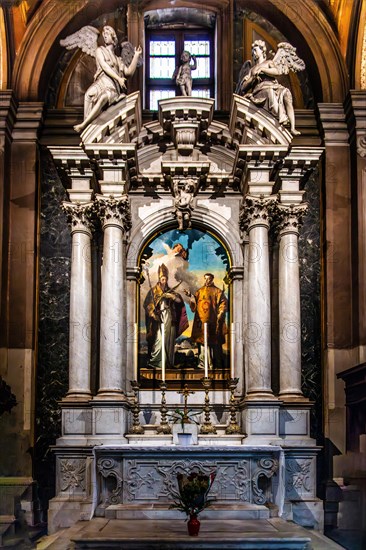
123	183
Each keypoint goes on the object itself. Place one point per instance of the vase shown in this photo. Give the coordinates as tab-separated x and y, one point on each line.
193	525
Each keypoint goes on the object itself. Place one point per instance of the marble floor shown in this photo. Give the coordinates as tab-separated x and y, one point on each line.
263	534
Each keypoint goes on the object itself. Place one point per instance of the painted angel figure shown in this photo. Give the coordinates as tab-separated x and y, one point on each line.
109	84
257	80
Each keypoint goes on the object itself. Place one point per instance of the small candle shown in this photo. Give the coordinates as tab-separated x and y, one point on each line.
162	352
232	347
135	363
206	348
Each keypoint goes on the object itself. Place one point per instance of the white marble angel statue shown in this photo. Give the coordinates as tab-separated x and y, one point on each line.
257	80
109	84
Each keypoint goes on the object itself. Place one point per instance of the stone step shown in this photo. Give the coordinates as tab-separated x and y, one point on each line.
155	511
214	534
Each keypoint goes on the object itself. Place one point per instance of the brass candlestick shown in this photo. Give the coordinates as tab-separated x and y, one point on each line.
164	427
136	426
208	427
233	427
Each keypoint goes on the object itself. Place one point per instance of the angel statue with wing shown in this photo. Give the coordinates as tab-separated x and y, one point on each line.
109	84
257	81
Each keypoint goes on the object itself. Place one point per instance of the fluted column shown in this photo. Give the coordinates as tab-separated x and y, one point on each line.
289	302
114	213
79	218
255	220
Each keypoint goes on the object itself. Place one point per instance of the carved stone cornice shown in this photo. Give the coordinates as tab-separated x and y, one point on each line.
295	169
28	119
74	168
256	167
8	109
115	165
288	219
80	217
334	126
114	211
256	211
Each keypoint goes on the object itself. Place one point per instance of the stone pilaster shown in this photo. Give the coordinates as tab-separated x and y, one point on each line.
255	219
114	213
355	108
132	287
80	221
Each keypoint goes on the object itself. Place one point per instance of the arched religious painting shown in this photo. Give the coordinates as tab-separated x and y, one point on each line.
184	311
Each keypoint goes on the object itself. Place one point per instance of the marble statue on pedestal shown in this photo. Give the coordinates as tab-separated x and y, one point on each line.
183	73
109	84
257	81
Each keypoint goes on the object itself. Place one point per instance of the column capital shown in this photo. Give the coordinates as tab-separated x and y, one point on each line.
289	219
80	217
133	273
114	211
256	211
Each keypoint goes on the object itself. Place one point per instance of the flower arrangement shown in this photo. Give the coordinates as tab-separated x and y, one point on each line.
192	497
183	417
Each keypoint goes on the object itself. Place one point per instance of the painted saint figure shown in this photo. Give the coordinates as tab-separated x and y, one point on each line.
257	81
163	306
209	305
183	73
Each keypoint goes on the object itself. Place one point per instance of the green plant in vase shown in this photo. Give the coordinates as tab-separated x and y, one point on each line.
183	417
192	496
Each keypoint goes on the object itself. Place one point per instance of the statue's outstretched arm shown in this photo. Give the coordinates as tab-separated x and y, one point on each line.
129	71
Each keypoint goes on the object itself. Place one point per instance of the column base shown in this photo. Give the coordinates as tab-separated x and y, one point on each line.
76	395
110	395
293	397
260	395
260	420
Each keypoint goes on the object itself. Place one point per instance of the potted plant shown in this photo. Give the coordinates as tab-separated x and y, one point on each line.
192	497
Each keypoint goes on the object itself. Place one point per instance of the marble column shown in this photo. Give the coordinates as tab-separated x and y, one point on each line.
79	217
255	220
289	302
114	213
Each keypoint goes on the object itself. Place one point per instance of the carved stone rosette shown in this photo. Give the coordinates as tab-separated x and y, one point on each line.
72	474
114	211
80	217
256	211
